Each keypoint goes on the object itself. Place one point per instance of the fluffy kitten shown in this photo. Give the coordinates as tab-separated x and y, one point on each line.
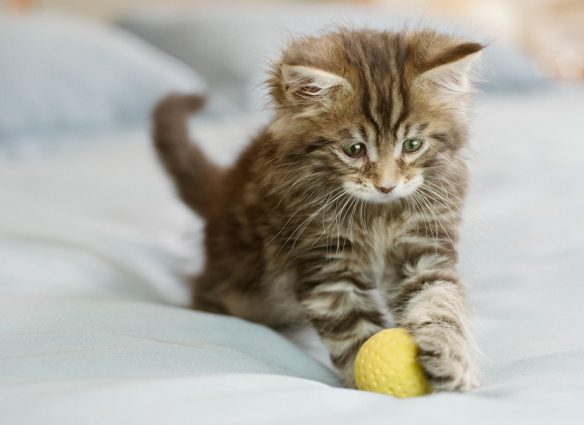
346	206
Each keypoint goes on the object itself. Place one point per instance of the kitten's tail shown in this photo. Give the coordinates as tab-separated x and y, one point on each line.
196	178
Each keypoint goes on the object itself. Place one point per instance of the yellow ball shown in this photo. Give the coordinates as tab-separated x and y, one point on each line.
387	364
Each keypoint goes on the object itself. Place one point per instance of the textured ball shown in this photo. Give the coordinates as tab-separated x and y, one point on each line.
387	364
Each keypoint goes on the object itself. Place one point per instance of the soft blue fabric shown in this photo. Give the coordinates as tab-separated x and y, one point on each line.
126	339
65	75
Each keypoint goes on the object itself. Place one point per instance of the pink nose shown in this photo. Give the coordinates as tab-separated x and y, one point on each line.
385	189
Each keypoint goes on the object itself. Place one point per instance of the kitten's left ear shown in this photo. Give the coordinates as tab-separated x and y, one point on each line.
311	88
451	69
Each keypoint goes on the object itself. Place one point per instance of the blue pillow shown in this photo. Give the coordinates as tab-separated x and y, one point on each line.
62	75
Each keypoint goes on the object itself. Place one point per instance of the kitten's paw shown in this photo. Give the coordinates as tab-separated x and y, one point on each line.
446	357
347	378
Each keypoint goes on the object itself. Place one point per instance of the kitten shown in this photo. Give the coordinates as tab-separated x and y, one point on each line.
346	206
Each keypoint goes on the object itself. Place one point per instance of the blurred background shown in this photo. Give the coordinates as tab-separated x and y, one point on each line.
551	30
73	67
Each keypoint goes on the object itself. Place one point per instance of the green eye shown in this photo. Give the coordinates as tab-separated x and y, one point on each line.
355	150
412	145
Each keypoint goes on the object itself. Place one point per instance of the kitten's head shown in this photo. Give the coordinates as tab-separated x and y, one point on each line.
377	113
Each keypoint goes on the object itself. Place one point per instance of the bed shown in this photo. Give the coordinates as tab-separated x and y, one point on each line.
95	247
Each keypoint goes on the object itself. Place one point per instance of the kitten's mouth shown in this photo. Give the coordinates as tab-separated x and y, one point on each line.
383	198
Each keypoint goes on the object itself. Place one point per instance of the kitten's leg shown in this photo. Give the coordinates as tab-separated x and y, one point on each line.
337	301
204	297
430	302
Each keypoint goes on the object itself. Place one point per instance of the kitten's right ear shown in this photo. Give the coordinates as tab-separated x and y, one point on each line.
310	88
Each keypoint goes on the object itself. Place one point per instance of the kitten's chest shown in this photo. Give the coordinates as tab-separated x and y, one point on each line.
384	235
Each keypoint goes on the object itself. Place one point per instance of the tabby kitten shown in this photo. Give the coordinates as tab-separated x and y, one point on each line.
346	207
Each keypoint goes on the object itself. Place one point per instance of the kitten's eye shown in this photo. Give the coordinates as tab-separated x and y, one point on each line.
355	150
412	145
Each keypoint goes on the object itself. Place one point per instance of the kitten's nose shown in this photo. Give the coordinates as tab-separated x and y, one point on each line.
385	189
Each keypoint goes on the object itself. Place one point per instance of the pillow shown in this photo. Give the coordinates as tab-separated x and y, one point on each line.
232	47
62	75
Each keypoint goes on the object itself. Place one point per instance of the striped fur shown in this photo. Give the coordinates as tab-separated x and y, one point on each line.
299	231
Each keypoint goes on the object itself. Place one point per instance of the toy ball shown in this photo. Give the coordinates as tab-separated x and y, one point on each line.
387	364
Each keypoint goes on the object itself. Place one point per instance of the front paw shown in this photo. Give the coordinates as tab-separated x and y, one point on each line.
446	356
347	377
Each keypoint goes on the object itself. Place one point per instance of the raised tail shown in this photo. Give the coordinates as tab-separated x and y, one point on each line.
196	178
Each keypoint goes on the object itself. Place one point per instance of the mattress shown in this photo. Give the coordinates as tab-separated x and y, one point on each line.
95	248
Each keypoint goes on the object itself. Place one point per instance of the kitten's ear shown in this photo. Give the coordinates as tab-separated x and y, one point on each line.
312	88
451	69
